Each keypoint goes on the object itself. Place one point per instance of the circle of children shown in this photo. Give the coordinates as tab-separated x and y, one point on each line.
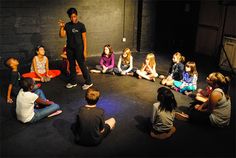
90	128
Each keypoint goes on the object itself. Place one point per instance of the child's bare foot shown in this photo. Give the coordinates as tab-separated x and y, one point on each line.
187	93
163	81
55	113
130	74
181	116
139	77
95	71
161	76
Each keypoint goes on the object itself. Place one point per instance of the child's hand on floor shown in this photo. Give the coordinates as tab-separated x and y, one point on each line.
9	101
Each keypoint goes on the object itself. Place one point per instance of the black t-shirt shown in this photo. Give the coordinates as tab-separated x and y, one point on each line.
177	71
14	79
74	34
89	123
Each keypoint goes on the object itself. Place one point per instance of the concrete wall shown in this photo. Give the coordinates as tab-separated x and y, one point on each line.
26	23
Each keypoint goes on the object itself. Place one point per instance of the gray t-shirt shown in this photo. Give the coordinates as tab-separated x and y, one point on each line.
162	121
220	115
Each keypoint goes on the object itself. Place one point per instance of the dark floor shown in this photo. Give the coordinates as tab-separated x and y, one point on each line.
129	100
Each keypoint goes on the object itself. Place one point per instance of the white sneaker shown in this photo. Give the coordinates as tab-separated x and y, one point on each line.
86	86
69	85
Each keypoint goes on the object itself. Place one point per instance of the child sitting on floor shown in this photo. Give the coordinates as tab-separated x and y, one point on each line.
148	69
14	79
163	114
40	67
90	127
176	70
125	64
26	102
189	82
107	61
216	110
66	64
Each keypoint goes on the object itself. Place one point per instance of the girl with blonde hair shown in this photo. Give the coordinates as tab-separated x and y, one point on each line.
176	70
148	69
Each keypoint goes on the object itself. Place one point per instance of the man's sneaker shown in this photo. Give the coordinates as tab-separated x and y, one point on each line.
86	86
69	85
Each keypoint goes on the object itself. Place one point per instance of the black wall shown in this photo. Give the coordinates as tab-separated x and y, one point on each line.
26	23
148	25
169	25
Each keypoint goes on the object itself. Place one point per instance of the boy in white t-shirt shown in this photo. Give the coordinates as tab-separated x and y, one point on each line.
26	101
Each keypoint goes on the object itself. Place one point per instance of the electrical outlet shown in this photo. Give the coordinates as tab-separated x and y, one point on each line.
124	39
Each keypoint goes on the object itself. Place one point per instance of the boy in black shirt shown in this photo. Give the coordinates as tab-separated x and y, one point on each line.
90	127
14	79
76	47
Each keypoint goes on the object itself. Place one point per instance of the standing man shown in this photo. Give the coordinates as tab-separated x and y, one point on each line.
76	47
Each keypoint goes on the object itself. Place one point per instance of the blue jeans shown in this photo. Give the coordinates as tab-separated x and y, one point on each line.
40	93
116	70
44	112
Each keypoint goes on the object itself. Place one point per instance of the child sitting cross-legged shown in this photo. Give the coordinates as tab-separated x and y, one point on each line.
40	67
148	69
107	61
163	114
27	101
125	64
90	127
189	82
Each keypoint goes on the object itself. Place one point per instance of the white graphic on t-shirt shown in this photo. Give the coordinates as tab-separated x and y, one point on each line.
74	30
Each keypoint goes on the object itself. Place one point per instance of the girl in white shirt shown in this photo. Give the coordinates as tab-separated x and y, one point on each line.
125	64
